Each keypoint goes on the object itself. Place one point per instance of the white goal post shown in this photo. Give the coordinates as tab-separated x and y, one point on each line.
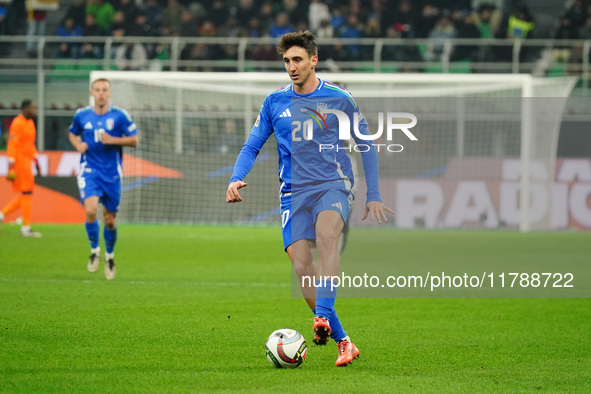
477	134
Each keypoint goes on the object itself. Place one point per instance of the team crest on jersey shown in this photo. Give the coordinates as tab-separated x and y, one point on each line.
256	123
321	109
319	117
110	123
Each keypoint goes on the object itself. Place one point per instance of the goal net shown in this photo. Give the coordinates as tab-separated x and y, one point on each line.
484	153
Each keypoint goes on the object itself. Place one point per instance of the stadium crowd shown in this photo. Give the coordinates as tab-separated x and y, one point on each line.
266	18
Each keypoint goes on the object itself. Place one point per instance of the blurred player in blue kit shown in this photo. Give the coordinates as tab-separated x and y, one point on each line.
315	181
99	133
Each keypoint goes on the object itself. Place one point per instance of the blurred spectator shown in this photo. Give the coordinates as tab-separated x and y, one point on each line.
487	19
188	26
231	29
352	30
202	51
198	52
457	17
129	10
118	28
338	18
208	29
119	23
68	28
141	28
296	10
377	10
467	29
339	52
35	27
172	18
92	50
404	20
246	10
77	11
565	31
520	23
372	28
317	13
577	14
254	28
443	29
3	24
400	53
302	25
325	30
103	12
130	56
218	13
154	12
266	52
199	12
426	21
493	4
281	26
266	15
355	8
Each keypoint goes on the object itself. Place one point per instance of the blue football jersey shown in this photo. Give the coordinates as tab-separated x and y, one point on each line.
310	151
101	159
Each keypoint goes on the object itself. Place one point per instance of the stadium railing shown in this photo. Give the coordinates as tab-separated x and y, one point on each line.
55	82
507	55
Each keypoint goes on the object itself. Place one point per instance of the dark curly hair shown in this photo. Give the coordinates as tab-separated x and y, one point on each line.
303	39
25	103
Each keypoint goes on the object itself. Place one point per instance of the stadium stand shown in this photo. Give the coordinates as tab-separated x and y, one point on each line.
545	38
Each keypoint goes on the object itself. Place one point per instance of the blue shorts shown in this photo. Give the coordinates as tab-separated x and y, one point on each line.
299	210
108	191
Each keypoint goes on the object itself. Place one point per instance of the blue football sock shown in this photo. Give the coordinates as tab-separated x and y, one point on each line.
326	293
92	230
110	238
337	331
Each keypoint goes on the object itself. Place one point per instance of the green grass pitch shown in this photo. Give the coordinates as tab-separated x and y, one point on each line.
192	306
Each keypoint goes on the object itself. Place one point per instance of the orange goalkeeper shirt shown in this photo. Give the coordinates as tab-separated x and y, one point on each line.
21	147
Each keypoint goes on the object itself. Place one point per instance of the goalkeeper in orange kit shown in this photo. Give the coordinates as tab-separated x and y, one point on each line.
22	153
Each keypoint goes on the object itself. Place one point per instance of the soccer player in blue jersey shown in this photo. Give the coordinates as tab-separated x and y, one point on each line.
99	133
315	184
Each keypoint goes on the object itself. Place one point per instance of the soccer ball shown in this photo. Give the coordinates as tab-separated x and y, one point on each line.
286	348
